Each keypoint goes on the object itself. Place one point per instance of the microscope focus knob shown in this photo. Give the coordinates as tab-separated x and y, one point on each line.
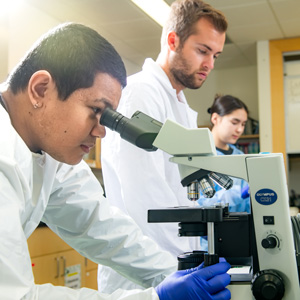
269	242
267	285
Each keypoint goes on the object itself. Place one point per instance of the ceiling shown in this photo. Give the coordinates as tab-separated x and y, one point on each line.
136	36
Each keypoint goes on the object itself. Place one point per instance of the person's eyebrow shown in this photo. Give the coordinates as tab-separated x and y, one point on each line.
208	48
103	101
236	119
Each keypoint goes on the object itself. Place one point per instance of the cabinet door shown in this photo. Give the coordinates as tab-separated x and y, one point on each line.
46	269
68	259
90	265
91	279
50	257
91	273
44	241
52	268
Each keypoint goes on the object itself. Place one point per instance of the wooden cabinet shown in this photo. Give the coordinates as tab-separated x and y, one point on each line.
91	274
51	257
93	158
52	267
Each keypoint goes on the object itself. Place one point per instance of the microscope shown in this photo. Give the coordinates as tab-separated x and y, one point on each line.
262	240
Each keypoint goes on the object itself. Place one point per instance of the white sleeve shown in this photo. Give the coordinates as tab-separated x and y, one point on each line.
81	216
16	278
50	292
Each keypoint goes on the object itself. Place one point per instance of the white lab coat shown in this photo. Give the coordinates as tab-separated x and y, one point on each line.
69	199
136	180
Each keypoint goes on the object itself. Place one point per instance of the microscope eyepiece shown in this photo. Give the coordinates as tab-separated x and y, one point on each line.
141	130
113	120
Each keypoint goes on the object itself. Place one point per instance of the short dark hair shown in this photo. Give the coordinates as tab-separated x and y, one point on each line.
185	13
73	54
226	104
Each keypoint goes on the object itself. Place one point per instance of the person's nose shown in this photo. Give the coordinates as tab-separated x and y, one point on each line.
240	129
209	62
98	131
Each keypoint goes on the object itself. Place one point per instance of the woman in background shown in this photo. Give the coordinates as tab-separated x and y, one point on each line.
228	117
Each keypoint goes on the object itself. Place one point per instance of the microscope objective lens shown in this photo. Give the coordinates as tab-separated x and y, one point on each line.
222	180
193	191
207	187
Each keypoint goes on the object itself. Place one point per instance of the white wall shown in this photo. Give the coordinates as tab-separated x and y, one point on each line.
21	29
26	25
264	96
239	82
3	48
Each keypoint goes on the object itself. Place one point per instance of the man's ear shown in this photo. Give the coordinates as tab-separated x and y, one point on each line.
38	85
173	40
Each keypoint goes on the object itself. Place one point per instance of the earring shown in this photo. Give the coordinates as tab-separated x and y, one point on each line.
35	105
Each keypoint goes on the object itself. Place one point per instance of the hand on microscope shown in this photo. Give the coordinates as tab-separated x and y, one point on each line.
198	283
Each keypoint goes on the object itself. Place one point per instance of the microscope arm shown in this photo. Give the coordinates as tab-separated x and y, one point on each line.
232	165
194	149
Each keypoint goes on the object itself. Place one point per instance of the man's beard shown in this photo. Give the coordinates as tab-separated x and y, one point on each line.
185	79
180	72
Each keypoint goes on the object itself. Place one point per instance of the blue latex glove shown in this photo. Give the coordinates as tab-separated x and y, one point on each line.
245	192
197	284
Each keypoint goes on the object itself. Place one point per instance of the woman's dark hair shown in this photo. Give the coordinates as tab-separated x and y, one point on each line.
73	54
225	105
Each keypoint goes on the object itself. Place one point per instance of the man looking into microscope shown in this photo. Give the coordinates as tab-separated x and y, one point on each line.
50	107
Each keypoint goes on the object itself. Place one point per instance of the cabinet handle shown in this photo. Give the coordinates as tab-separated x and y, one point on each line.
85	262
57	267
64	265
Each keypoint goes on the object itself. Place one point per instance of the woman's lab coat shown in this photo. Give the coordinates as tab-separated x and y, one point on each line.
136	180
69	199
